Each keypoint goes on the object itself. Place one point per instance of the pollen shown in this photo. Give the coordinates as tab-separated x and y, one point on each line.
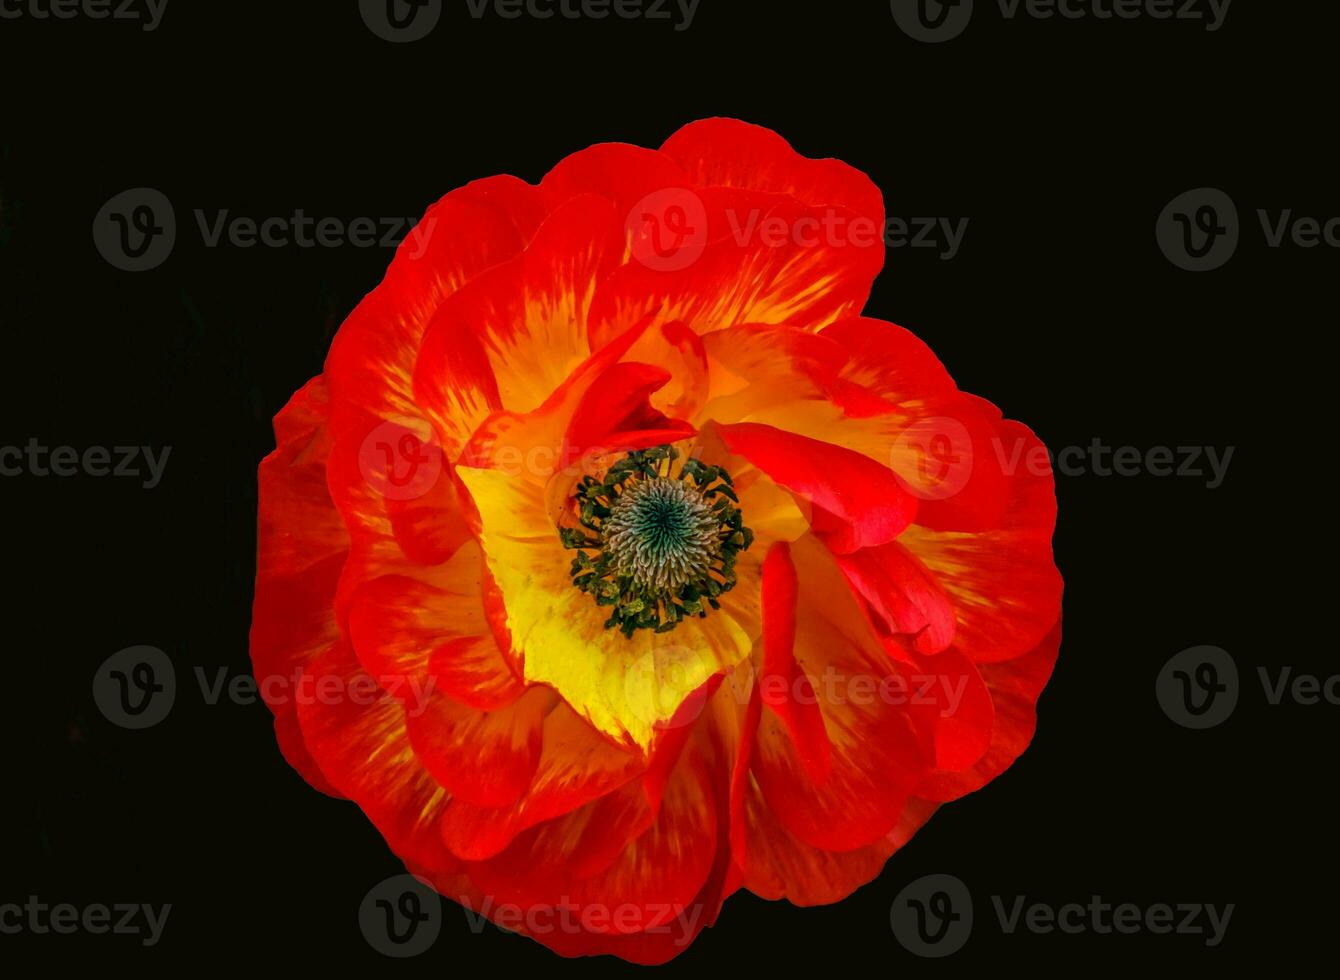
656	542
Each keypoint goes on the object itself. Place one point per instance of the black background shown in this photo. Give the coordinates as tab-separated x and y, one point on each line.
1060	141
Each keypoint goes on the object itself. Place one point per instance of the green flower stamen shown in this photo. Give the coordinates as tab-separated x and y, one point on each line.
656	545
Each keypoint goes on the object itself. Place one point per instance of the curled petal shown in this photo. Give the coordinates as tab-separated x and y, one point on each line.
857	502
576	766
876	762
1003	582
903	593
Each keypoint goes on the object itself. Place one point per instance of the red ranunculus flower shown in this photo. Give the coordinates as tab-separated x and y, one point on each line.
615	562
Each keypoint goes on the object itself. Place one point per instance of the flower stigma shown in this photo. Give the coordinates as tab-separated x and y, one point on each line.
656	542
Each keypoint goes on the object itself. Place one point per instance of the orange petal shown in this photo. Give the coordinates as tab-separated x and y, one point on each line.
485	757
730	153
357	735
875	758
301	549
576	766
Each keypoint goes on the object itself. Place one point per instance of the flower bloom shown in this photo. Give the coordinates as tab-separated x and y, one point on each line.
615	562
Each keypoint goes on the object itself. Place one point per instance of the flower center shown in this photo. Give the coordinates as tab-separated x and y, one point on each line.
655	544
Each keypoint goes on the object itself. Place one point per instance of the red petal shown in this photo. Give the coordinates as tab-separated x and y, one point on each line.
785	688
739	256
514	334
485	757
731	153
411	635
359	490
576	766
783	867
289	735
372	358
903	593
301	549
858	502
648	903
962	714
940	441
615	414
1003	582
1014	687
431	527
623	173
876	761
357	735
